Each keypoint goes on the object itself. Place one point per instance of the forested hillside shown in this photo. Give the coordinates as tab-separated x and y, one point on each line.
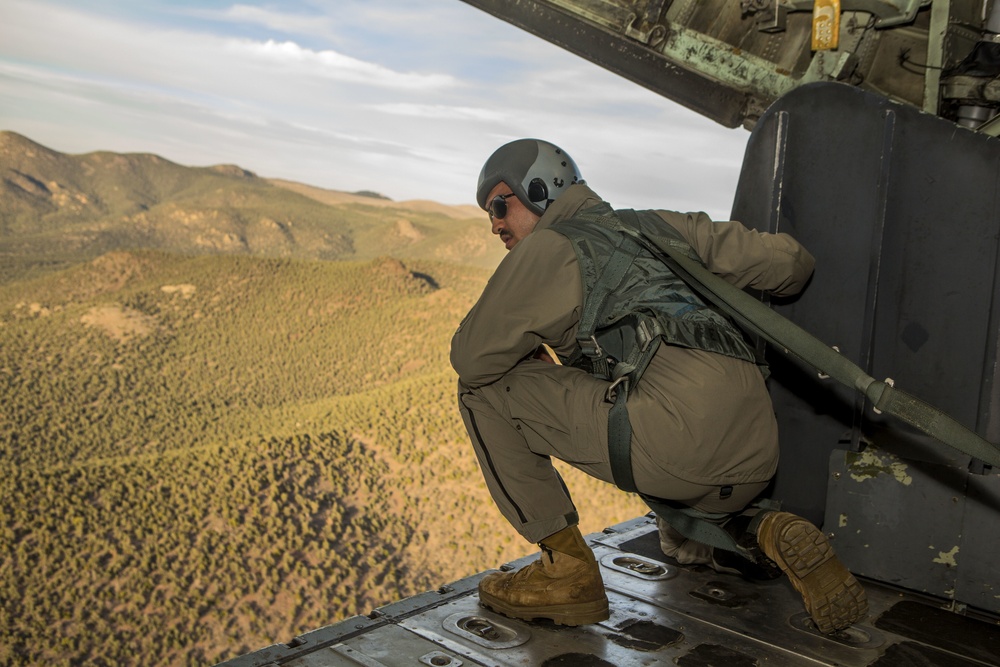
204	454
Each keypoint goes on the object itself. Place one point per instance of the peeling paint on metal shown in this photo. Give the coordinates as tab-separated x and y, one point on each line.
843	521
947	557
869	465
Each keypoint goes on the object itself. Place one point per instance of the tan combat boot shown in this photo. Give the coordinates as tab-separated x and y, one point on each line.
832	596
564	585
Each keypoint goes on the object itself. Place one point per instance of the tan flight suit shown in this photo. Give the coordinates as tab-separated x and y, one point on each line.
700	421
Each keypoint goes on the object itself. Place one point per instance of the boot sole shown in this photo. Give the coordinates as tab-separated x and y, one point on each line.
832	596
583	613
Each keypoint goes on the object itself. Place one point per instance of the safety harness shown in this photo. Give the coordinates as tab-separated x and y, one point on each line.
621	352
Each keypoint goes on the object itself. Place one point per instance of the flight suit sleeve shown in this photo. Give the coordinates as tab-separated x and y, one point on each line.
534	297
774	263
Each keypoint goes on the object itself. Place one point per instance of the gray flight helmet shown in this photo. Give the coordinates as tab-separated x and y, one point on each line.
536	171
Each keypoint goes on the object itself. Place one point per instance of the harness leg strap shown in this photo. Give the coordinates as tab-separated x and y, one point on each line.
620	442
698	526
689	522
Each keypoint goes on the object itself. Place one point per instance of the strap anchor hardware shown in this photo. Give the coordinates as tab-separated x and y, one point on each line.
595	352
609	395
889	382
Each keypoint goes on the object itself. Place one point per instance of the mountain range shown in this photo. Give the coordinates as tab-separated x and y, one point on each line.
56	208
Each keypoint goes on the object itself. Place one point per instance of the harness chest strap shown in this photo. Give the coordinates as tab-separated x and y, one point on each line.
611	277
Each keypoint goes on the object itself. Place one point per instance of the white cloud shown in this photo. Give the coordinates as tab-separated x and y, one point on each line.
282	21
438	111
290	56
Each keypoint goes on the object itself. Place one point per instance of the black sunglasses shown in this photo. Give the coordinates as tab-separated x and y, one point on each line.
498	206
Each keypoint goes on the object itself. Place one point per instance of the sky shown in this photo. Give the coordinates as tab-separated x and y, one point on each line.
407	98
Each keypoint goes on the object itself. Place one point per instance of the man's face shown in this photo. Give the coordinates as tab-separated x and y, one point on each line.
516	223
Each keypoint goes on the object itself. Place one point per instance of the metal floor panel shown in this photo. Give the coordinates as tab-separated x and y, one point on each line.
661	614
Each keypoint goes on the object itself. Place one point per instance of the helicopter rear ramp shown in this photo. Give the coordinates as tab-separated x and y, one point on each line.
661	614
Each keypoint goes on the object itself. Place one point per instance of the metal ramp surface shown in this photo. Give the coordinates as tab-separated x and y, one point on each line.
661	614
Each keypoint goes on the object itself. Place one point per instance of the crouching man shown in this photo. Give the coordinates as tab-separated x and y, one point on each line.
586	347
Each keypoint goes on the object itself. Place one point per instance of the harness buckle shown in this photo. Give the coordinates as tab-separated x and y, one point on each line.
595	352
645	334
609	394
